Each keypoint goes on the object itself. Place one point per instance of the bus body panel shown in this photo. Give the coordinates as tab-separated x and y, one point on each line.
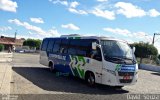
114	74
77	65
43	58
95	66
105	72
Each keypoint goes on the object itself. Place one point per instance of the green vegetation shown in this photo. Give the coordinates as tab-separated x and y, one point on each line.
1	47
159	56
32	43
145	50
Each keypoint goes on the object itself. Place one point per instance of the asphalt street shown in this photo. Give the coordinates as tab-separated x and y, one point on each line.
33	80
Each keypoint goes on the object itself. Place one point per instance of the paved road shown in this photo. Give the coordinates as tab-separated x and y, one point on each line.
29	77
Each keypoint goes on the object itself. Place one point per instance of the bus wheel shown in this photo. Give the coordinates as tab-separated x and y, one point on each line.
90	79
51	66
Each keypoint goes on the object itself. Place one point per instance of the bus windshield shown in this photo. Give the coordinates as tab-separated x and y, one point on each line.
116	50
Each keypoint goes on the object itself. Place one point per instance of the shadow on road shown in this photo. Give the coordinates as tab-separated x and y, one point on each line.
46	80
156	73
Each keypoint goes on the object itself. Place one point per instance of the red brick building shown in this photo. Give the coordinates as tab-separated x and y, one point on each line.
10	42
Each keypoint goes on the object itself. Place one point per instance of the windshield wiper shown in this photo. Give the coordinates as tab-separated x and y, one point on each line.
134	61
119	59
127	58
112	58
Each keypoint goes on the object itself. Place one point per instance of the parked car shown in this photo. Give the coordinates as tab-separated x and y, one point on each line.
25	49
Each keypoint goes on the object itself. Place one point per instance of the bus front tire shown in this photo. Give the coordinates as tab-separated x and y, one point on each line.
90	79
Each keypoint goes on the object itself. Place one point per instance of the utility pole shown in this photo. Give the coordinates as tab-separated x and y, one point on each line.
154	37
15	35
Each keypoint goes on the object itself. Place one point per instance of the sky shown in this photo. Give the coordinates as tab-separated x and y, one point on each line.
130	20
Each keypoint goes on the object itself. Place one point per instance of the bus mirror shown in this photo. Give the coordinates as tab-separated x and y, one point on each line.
134	49
94	45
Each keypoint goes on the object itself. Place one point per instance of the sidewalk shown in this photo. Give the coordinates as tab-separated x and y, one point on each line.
5	72
5	57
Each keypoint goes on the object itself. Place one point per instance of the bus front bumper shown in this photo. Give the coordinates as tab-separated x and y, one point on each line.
119	79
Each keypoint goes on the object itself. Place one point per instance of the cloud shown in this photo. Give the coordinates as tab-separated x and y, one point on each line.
102	0
74	4
62	2
51	32
104	13
27	26
31	33
142	36
15	21
81	12
109	11
4	34
37	20
131	36
119	31
8	5
129	10
70	26
5	28
153	13
73	8
129	41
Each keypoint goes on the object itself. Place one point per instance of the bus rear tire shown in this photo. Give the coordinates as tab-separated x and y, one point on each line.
90	79
51	66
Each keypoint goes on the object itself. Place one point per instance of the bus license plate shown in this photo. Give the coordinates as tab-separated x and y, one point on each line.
127	77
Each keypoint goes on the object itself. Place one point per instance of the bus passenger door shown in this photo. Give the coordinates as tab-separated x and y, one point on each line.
97	63
43	58
43	53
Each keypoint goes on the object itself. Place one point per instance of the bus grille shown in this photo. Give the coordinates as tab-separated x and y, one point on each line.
126	73
121	74
125	81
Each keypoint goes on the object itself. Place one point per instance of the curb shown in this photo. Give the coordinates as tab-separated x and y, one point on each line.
6	73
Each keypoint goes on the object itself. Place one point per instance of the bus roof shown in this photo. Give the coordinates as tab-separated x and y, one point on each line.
77	36
74	36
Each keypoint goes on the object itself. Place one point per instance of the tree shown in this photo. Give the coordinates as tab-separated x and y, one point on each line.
32	43
159	56
144	50
1	47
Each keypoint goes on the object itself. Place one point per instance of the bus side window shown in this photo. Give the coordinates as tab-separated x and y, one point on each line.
44	45
96	54
50	45
72	47
56	48
64	46
81	52
72	51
